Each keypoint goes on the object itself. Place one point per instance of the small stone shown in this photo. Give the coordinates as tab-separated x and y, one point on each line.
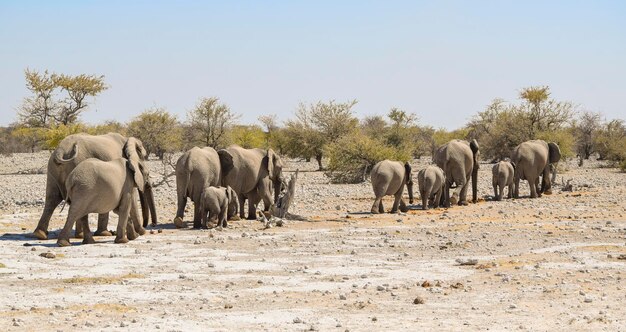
228	306
48	255
152	231
123	324
426	284
374	319
137	251
588	300
342	297
513	306
380	288
419	300
297	320
160	231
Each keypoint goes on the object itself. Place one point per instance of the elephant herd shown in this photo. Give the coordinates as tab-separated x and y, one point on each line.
99	174
455	163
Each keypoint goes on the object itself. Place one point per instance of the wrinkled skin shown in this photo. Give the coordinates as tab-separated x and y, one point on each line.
216	203
96	186
533	159
253	174
70	152
389	178
459	161
503	173
431	182
195	170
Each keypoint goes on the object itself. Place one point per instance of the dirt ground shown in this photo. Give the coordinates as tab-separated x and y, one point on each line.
547	264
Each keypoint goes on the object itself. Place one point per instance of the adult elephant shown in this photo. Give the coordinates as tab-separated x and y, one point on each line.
252	173
533	159
70	152
195	170
459	161
389	178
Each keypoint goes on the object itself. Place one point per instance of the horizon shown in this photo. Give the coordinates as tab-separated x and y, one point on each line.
443	61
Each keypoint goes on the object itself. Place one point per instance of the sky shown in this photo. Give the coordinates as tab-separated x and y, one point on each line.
442	60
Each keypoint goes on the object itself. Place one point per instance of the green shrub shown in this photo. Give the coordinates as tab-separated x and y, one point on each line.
352	157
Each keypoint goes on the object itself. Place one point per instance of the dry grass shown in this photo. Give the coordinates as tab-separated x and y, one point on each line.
2	266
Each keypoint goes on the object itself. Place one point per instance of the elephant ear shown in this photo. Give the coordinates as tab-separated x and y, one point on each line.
135	170
226	161
474	146
134	150
554	153
407	172
513	164
274	164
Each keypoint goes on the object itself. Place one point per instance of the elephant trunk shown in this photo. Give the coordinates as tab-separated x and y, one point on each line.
150	200
409	188
144	208
278	184
475	182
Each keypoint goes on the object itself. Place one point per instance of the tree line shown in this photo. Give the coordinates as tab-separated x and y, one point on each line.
329	132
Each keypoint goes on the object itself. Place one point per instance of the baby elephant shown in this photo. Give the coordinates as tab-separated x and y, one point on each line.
503	173
97	186
217	204
389	178
431	182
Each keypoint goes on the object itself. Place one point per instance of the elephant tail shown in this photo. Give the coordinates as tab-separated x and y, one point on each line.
476	155
61	157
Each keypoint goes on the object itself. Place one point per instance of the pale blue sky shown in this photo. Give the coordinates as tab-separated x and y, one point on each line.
443	60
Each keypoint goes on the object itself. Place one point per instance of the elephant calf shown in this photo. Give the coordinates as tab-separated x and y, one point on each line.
217	203
389	178
431	182
503	174
97	186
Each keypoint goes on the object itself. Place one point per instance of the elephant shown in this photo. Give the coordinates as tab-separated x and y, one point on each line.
195	170
533	159
503	173
96	186
459	160
216	203
252	173
389	178
70	152
431	182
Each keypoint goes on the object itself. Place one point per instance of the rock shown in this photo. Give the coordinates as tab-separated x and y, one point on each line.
588	300
419	300
467	261
48	255
380	288
228	306
297	320
426	284
342	297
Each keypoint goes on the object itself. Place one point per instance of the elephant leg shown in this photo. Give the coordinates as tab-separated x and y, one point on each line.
130	230
134	218
222	220
403	207
510	191
123	213
463	193
533	187
381	208
396	202
180	212
242	201
437	199
495	192
78	233
72	215
53	199
376	206
253	200
424	195
103	223
546	183
537	188
516	180
197	215
87	237
446	195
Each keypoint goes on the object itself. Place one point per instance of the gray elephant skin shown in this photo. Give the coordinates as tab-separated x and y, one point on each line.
196	169
70	152
389	178
502	176
431	182
459	161
216	203
252	173
96	186
532	160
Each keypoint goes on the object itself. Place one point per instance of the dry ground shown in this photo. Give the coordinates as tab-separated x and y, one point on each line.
554	263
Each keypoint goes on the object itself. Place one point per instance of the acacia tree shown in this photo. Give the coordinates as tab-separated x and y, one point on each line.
209	121
158	130
78	88
37	110
585	130
317	125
